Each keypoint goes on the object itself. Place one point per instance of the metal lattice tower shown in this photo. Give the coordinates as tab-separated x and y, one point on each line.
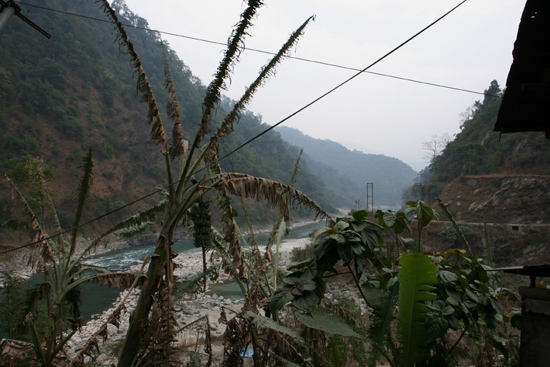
370	197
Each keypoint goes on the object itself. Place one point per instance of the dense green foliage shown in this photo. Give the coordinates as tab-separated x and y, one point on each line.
346	172
427	309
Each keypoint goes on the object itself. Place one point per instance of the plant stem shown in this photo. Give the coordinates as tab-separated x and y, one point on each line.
359	287
457	342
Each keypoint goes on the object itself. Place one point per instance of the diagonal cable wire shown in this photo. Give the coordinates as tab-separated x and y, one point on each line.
257	136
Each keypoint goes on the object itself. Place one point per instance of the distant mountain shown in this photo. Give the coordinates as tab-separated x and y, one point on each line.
347	172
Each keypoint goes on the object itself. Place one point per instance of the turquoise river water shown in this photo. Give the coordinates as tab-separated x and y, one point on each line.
96	299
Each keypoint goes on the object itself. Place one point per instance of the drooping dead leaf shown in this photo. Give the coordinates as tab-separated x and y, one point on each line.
117	280
153	116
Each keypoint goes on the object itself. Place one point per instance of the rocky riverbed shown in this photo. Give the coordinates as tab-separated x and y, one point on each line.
190	308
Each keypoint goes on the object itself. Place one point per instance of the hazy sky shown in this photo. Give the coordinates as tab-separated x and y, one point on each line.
469	48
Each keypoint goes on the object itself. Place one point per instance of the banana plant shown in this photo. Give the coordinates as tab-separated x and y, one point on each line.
199	173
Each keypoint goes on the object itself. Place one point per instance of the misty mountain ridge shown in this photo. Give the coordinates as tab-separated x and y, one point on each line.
347	172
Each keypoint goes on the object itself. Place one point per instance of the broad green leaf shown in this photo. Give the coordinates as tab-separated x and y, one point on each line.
309	285
374	224
469	303
345	254
339	226
281	297
424	214
438	306
436	327
357	248
409	212
448	310
291	280
491	321
321	286
472	295
402	223
323	319
515	321
307	300
416	277
389	218
326	254
444	276
265	322
358	226
371	238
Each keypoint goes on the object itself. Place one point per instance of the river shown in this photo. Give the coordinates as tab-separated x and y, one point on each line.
96	299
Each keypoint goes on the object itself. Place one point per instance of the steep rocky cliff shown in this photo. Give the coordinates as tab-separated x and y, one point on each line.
516	210
523	199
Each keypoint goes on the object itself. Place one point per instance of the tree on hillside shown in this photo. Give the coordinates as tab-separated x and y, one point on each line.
435	145
472	154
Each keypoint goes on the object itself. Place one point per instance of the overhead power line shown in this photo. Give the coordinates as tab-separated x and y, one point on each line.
263	51
257	136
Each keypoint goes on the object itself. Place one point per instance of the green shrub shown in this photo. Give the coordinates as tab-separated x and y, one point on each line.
70	127
102	149
109	175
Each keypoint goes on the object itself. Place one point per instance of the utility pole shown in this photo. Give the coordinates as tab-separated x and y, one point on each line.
370	197
6	12
10	8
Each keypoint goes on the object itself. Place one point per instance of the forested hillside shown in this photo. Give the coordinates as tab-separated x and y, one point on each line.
478	150
347	172
61	96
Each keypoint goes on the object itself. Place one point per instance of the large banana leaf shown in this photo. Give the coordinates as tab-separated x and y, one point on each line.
417	277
